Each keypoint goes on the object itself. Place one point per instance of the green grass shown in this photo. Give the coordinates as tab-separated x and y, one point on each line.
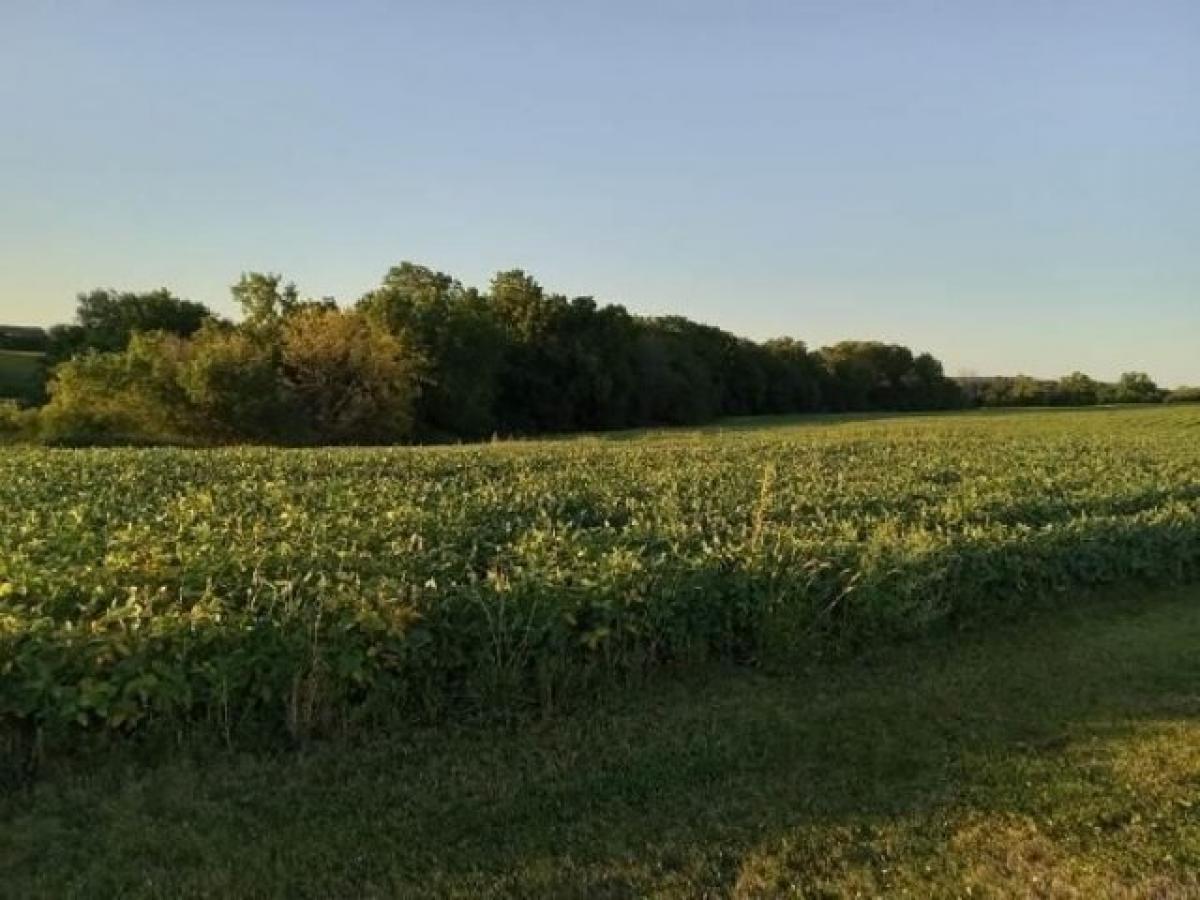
1059	757
21	374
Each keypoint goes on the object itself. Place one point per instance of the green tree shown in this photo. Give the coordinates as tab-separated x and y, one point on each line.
24	337
232	382
265	300
355	381
1137	387
521	305
1077	389
1183	395
532	392
131	395
795	382
106	320
1027	391
459	339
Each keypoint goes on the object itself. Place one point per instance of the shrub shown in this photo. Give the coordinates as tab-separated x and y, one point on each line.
16	423
131	396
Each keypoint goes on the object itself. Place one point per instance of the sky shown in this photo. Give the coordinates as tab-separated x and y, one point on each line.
1013	186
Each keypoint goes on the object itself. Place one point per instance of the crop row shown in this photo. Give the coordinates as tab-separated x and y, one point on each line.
255	591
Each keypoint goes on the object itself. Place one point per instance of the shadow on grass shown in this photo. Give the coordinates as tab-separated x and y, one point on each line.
1060	751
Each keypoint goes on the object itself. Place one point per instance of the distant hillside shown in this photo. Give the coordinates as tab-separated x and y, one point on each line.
22	375
23	337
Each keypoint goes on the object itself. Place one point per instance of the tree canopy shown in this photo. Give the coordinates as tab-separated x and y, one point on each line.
423	357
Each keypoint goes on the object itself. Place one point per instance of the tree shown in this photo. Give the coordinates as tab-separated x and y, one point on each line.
456	335
232	382
1077	389
931	388
1183	395
795	377
676	387
355	381
1028	391
532	393
1137	387
521	305
871	375
424	357
132	395
265	300
597	352
106	320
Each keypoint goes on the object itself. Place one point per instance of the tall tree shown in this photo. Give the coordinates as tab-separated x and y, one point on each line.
1137	387
1077	389
355	381
459	340
265	300
106	320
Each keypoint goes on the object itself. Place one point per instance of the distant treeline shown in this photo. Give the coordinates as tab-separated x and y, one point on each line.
425	358
1076	389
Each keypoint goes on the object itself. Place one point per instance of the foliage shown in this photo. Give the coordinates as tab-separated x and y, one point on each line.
460	344
464	364
16	423
309	374
1056	758
1184	395
1135	387
869	375
512	360
355	381
293	592
265	300
130	396
106	320
1076	389
231	380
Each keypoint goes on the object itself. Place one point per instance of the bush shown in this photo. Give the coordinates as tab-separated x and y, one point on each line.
132	396
15	423
322	376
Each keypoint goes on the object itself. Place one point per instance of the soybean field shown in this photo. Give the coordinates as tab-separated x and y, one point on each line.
289	593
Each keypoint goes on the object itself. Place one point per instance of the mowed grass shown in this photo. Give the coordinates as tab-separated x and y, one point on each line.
1057	757
21	374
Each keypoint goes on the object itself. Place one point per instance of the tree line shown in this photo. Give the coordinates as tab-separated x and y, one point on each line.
424	358
1076	389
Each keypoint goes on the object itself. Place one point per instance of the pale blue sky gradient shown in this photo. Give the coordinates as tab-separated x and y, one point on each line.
1014	186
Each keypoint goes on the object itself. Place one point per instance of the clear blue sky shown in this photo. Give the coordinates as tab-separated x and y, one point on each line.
1014	186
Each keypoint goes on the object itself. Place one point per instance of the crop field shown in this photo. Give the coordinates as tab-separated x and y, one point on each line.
936	656
251	593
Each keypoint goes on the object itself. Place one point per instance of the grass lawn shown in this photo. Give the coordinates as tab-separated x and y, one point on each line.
1059	757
